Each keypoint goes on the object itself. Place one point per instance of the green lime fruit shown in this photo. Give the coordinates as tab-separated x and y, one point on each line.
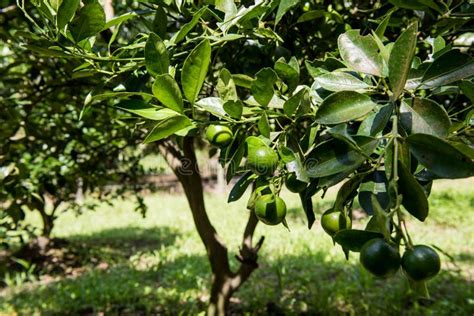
380	258
421	263
262	160
333	221
294	185
270	209
219	135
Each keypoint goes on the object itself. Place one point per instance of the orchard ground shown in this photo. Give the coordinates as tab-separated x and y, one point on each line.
118	262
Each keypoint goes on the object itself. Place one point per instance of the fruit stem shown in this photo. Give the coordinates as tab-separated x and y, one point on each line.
410	243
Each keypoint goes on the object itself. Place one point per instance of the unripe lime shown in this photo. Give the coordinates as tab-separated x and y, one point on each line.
421	262
219	135
380	258
270	209
333	221
262	160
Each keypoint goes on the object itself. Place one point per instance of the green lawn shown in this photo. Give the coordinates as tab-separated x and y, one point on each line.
129	264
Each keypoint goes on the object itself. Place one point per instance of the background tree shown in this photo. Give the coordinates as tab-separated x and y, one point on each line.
385	105
49	157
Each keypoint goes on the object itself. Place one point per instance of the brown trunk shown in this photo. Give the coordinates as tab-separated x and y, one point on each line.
224	281
48	225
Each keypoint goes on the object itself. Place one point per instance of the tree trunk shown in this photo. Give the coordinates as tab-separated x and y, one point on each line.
224	281
48	223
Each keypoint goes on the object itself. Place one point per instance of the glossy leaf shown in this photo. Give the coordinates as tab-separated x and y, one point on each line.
264	125
440	157
89	21
185	29
343	106
234	108
212	105
467	88
262	86
283	8
375	184
166	90
401	56
226	86
347	192
340	81
360	52
287	73
240	187
424	116
374	123
354	239
195	69
167	128
307	203
157	60
448	68
145	110
414	198
66	12
332	157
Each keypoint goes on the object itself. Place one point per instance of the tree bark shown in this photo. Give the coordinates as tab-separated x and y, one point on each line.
224	281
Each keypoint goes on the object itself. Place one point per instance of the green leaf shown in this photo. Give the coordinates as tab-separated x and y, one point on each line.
167	128
311	15
416	4
414	198
335	156
66	12
264	125
360	52
212	105
234	108
440	157
55	4
449	67
291	105
157	60
89	21
347	192
401	56
380	31
119	20
145	110
160	22
243	81
424	116
226	86
185	29
375	184
262	86
166	90
283	8
307	203
354	239
240	187
340	81
374	123
195	69
467	88
343	106
287	73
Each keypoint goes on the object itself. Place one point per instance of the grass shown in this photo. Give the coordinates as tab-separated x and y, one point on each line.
134	265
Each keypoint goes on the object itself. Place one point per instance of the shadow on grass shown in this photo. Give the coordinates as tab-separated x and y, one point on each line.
307	284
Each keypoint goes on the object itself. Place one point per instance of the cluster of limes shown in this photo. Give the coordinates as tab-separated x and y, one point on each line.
378	256
382	259
262	160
